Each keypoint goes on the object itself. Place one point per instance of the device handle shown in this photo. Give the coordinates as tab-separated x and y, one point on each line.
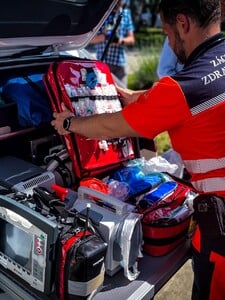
120	207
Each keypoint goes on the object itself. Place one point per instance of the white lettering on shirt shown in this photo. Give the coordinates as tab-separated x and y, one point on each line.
216	62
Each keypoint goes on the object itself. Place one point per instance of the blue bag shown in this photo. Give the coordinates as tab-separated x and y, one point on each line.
32	101
138	182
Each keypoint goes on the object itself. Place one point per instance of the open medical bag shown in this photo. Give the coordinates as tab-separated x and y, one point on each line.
166	216
80	253
86	88
164	202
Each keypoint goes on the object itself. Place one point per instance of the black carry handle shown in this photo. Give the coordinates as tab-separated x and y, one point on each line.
86	220
112	36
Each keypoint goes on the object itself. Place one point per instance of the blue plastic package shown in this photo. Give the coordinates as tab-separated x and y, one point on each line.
160	192
137	181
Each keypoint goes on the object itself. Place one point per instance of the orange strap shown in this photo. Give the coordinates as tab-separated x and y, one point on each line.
95	184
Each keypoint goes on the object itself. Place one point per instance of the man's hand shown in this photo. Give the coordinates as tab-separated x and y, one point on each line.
128	96
59	118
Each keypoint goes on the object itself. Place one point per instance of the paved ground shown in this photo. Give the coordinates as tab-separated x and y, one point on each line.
179	286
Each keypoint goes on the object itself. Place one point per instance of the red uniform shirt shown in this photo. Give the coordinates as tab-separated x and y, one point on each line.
191	107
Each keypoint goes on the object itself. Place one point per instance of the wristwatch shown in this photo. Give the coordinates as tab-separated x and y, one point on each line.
67	123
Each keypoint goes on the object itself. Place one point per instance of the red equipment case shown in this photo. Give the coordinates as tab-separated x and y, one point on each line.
86	87
162	233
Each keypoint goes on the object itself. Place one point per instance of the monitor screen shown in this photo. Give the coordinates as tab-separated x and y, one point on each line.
16	244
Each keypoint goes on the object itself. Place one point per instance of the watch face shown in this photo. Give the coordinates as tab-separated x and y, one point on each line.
66	123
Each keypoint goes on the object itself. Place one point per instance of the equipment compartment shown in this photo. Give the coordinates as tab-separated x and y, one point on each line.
19	137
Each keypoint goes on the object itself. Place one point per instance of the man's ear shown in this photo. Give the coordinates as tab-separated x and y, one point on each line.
183	23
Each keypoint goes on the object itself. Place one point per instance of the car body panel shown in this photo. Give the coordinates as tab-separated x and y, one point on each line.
61	24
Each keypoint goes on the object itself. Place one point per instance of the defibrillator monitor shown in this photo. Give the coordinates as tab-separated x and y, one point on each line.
27	245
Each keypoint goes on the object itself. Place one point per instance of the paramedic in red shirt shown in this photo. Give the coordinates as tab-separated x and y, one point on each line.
191	107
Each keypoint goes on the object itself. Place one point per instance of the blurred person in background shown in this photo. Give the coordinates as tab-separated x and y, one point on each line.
115	56
168	62
146	16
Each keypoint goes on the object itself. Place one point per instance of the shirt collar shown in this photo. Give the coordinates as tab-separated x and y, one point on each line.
209	43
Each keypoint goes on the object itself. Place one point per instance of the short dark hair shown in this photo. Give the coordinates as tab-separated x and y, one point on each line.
222	2
203	12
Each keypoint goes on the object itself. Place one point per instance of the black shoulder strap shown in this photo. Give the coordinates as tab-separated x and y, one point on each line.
112	36
35	86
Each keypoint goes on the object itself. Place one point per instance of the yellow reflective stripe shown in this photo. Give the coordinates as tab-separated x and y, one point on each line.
204	165
209	185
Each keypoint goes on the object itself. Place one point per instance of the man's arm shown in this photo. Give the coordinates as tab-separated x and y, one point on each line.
129	40
98	39
100	126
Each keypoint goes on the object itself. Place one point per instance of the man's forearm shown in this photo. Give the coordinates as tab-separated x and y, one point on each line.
98	39
102	126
